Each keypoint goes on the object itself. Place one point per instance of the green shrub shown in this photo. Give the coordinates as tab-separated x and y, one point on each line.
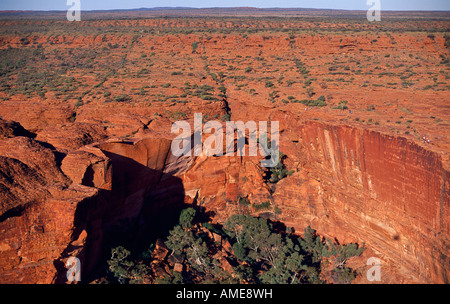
269	84
314	103
124	269
243	201
447	40
279	172
262	206
194	46
342	105
122	98
187	217
222	89
343	275
370	108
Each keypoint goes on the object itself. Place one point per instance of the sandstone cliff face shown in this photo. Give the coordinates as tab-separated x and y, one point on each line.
50	212
69	137
36	115
38	211
364	186
353	184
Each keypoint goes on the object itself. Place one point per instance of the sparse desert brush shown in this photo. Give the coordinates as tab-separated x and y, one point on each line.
122	98
447	40
194	46
342	105
268	84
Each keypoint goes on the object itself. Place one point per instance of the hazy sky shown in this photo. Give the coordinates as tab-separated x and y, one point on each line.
128	4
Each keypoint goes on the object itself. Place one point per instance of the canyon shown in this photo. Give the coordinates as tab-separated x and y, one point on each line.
83	171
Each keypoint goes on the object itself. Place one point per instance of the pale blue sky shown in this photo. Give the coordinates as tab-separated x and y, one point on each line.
129	4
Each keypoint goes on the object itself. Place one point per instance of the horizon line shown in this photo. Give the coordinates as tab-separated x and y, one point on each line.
222	7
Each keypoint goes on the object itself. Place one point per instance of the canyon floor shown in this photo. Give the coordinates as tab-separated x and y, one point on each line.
86	110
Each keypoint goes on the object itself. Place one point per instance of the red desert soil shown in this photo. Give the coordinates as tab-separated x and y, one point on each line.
86	111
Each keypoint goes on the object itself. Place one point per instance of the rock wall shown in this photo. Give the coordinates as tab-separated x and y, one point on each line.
364	186
38	212
352	184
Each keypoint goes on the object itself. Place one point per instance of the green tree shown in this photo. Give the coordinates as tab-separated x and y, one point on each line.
179	239
343	275
319	248
247	230
119	265
263	254
279	172
174	278
239	251
286	271
187	217
194	46
344	252
196	250
244	273
268	247
197	255
255	238
256	242
314	245
125	270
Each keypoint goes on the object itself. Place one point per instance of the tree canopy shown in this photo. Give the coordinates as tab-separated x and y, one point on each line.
261	253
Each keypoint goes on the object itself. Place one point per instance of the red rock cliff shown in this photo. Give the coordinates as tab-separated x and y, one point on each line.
385	191
354	184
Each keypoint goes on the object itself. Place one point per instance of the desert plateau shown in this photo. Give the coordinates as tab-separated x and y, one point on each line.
87	169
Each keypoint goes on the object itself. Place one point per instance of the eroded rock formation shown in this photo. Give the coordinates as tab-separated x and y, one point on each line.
352	184
364	186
